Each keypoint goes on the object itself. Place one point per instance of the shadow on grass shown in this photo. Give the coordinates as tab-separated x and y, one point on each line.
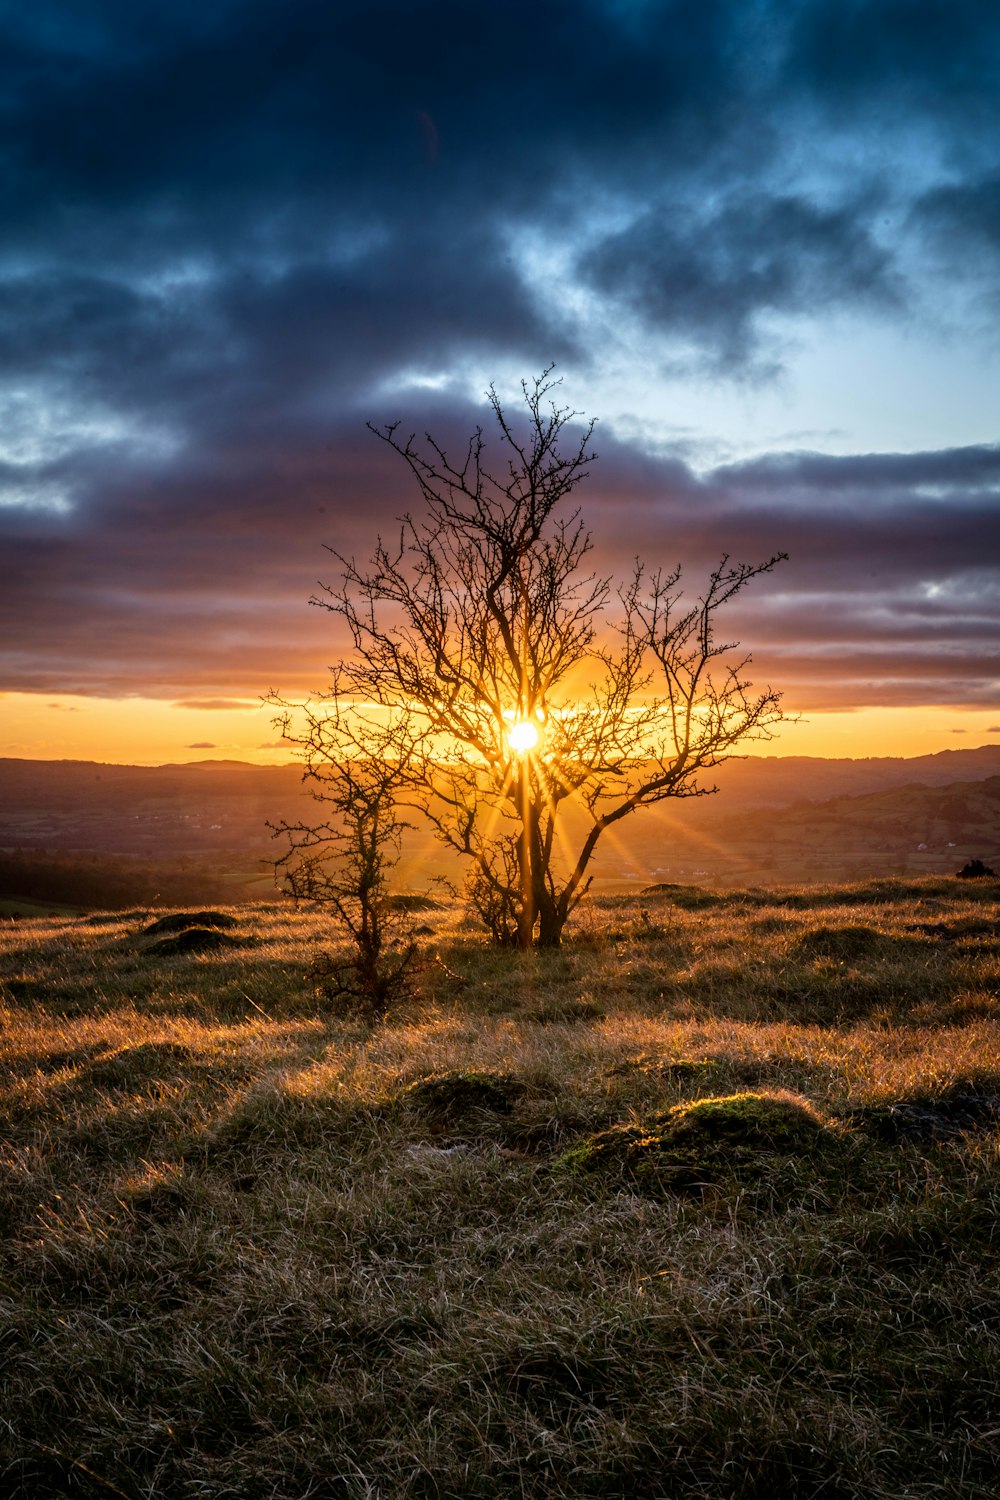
967	1106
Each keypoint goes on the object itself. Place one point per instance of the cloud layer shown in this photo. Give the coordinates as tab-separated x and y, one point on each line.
233	233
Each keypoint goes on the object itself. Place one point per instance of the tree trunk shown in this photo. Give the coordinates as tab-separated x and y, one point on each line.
528	912
550	924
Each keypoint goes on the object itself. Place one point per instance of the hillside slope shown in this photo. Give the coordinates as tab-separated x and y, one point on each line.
791	818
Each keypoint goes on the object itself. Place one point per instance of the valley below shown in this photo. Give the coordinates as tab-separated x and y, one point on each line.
83	834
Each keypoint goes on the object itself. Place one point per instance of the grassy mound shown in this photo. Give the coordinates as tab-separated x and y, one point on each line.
193	940
412	901
736	1138
688	897
178	921
459	1097
844	944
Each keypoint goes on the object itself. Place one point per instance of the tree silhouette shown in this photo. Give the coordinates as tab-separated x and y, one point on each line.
527	683
359	768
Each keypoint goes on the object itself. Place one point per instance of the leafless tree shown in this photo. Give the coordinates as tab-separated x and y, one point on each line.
523	682
359	767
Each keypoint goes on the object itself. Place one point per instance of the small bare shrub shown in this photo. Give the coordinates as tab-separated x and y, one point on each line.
344	863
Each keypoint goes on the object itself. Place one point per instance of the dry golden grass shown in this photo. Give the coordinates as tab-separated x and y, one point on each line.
243	1255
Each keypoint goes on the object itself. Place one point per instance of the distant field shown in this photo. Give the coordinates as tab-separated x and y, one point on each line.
497	1246
15	907
84	835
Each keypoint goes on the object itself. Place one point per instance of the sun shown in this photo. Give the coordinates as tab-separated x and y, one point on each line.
522	736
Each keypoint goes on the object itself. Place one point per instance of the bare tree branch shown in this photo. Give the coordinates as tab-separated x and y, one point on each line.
484	615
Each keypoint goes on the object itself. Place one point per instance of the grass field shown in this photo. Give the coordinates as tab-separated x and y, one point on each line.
251	1248
15	907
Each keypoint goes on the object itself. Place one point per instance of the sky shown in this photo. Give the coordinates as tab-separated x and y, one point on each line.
760	240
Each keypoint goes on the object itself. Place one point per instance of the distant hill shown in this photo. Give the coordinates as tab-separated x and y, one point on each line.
777	780
771	780
97	835
913	829
774	818
143	810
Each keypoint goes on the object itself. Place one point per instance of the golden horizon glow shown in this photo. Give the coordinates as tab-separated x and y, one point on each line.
155	731
138	731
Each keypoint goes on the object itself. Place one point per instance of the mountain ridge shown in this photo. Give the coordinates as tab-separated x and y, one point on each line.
773	817
766	779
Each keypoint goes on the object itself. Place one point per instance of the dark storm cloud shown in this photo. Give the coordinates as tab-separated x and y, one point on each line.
954	471
708	276
309	93
937	56
891	592
961	222
880	602
230	230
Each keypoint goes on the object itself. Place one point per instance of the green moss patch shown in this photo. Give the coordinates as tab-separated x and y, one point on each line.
736	1137
775	1122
